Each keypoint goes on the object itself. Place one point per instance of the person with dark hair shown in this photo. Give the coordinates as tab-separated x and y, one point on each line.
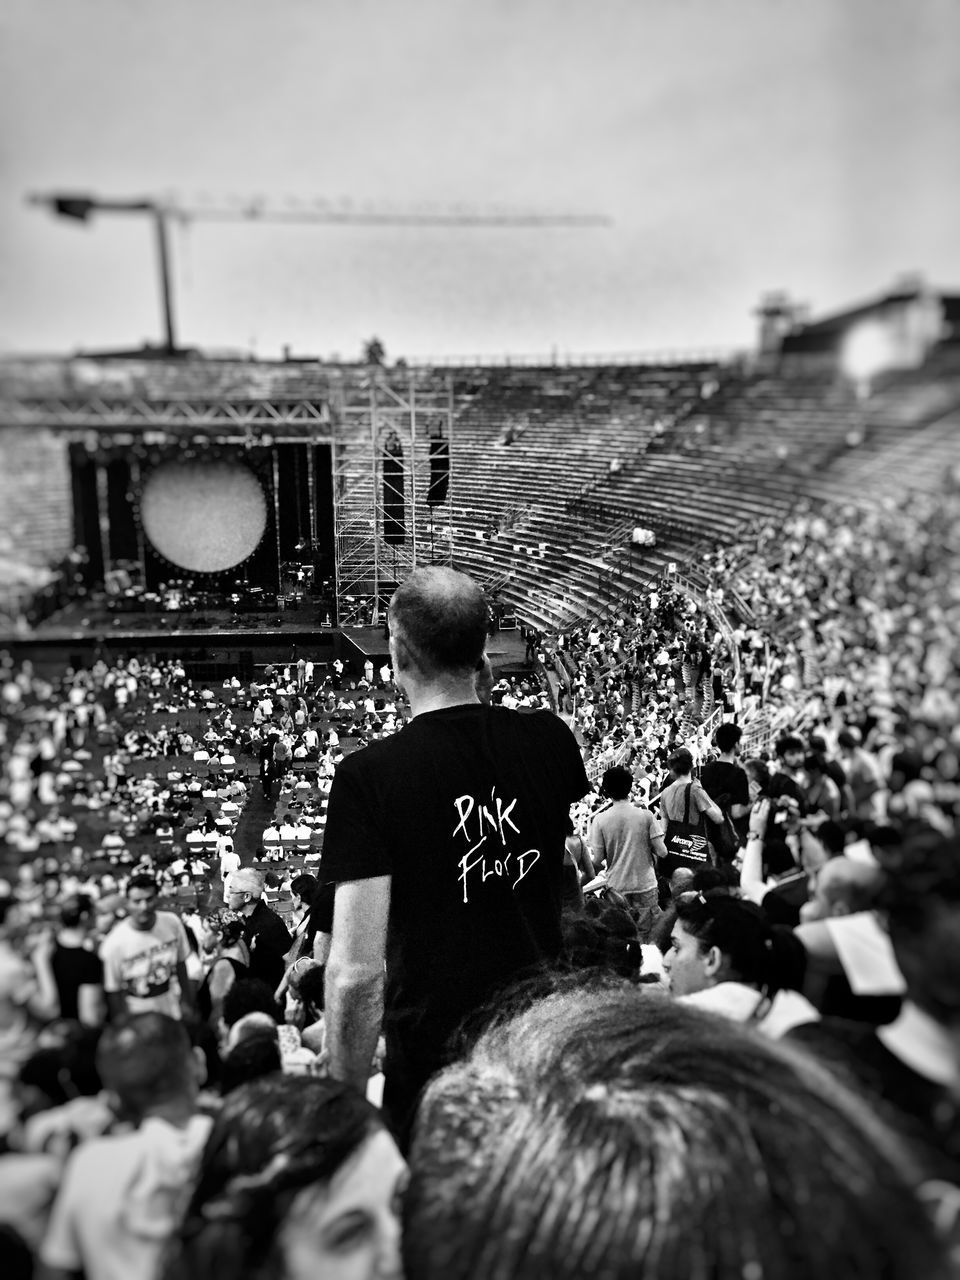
249	995
121	1195
822	793
252	1058
578	868
602	1132
145	957
77	968
452	834
628	844
725	781
724	957
684	805
911	1065
298	1179
229	962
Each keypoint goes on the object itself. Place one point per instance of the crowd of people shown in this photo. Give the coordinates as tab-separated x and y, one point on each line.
464	1007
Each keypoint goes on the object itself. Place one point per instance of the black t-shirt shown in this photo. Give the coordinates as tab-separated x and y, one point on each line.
721	778
73	968
918	1107
465	809
268	941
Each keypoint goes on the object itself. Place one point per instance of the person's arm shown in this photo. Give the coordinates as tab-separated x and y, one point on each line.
91	1005
752	883
321	946
598	845
657	842
186	988
44	1003
222	978
354	985
585	862
709	807
739	810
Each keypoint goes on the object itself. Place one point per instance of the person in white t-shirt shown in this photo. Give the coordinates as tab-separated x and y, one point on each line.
144	957
229	858
121	1195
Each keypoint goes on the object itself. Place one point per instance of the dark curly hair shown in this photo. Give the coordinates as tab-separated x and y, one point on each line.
271	1139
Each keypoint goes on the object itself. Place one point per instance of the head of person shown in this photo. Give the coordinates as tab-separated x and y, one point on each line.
221	929
141	901
602	1131
617	783
302	889
790	751
243	890
921	904
717	938
438	626
76	911
253	1056
681	881
680	763
842	887
847	742
146	1061
298	1179
727	738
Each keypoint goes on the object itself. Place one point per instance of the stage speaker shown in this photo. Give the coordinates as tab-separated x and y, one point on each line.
439	472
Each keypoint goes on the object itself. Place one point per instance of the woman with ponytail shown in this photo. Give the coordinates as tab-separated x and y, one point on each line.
726	958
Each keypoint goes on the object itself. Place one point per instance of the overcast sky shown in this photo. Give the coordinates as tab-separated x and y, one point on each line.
738	146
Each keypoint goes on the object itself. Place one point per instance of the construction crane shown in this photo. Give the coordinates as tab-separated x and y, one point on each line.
82	207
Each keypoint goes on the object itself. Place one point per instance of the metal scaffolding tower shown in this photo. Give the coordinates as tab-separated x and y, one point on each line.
395	414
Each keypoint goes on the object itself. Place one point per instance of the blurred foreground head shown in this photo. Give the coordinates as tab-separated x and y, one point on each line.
605	1132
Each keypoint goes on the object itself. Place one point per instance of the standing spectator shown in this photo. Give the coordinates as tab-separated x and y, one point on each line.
145	957
725	781
229	858
628	842
449	832
863	776
264	932
77	969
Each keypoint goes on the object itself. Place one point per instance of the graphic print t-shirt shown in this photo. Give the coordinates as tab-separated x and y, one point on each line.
142	964
465	809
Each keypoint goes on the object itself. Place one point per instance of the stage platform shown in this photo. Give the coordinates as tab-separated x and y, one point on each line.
217	643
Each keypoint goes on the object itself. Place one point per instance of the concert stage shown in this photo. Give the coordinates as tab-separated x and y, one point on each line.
216	644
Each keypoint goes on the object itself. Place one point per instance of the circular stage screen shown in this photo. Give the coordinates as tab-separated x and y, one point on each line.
204	516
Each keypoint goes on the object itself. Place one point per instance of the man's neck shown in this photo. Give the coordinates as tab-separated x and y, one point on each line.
434	697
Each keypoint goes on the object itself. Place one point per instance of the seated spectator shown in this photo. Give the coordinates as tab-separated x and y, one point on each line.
724	957
669	1110
121	1195
299	1178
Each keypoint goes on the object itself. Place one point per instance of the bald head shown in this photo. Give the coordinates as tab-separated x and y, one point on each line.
438	623
846	886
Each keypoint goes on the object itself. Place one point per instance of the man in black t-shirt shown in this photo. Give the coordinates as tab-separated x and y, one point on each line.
446	845
725	781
